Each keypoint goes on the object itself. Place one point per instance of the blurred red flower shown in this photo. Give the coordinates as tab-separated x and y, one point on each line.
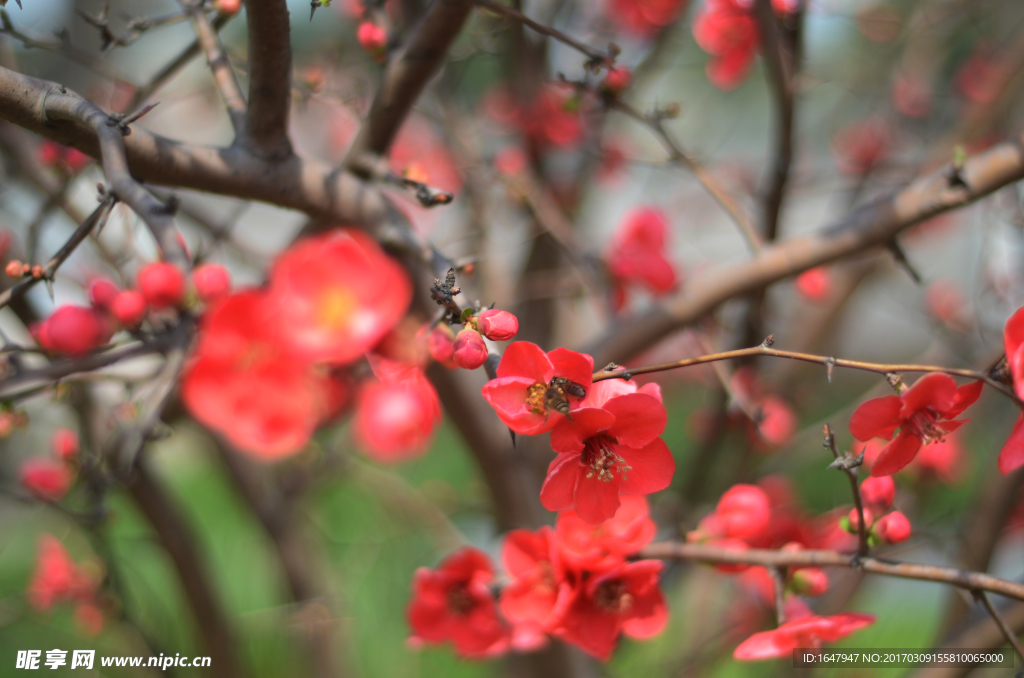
636	254
644	18
585	546
809	631
396	416
48	479
726	30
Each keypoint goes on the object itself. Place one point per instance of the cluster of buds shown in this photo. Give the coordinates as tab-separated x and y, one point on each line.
49	478
877	495
77	330
467	349
16	270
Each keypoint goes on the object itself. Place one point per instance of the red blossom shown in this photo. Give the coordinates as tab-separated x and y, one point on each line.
454	602
497	325
777	422
742	512
526	374
470	350
551	119
892	528
129	307
624	599
47	479
334	296
1011	457
372	38
636	254
243	382
64	444
441	343
617	80
585	546
644	18
102	292
212	281
814	284
73	330
396	416
916	413
162	284
809	631
726	29
57	577
539	592
878	493
609	447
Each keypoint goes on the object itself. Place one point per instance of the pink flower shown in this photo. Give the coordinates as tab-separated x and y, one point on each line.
609	447
531	384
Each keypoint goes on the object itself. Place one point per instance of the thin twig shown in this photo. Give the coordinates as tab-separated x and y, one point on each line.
779	586
827	361
851	473
223	74
963	579
1011	637
595	56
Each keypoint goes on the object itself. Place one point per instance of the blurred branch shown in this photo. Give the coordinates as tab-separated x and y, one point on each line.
405	77
984	634
596	56
1011	637
223	75
850	471
871	225
98	216
827	361
214	633
270	75
963	579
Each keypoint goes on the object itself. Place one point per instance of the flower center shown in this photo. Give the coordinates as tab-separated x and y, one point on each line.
612	596
922	425
459	600
334	308
535	398
601	455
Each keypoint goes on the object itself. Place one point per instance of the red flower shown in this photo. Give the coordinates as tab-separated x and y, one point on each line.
609	447
47	479
372	38
598	547
497	325
636	254
162	284
57	577
644	18
73	331
539	592
778	422
810	631
336	295
726	30
64	444
1011	457
878	493
454	602
916	413
625	599
521	394
470	351
617	80
814	283
441	344
245	384
742	512
396	416
212	281
552	119
129	307
102	292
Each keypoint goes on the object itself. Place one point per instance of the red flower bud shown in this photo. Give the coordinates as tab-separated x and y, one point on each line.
212	281
162	284
893	528
743	511
48	479
441	344
814	283
854	520
617	80
371	37
129	308
497	325
228	7
809	581
102	292
64	444
14	269
470	350
73	330
878	493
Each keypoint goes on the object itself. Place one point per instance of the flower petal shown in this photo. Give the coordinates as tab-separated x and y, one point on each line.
876	418
597	500
935	390
507	395
578	367
560	484
639	419
1011	457
966	396
526	359
653	467
1013	334
897	454
569	436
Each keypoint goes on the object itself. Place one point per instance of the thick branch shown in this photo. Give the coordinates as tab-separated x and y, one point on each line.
873	224
270	78
406	76
964	579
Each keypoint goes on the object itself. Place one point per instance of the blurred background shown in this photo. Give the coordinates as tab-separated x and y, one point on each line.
886	90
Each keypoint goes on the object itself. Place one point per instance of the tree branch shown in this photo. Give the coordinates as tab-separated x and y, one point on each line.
407	74
1008	633
873	224
270	79
223	74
